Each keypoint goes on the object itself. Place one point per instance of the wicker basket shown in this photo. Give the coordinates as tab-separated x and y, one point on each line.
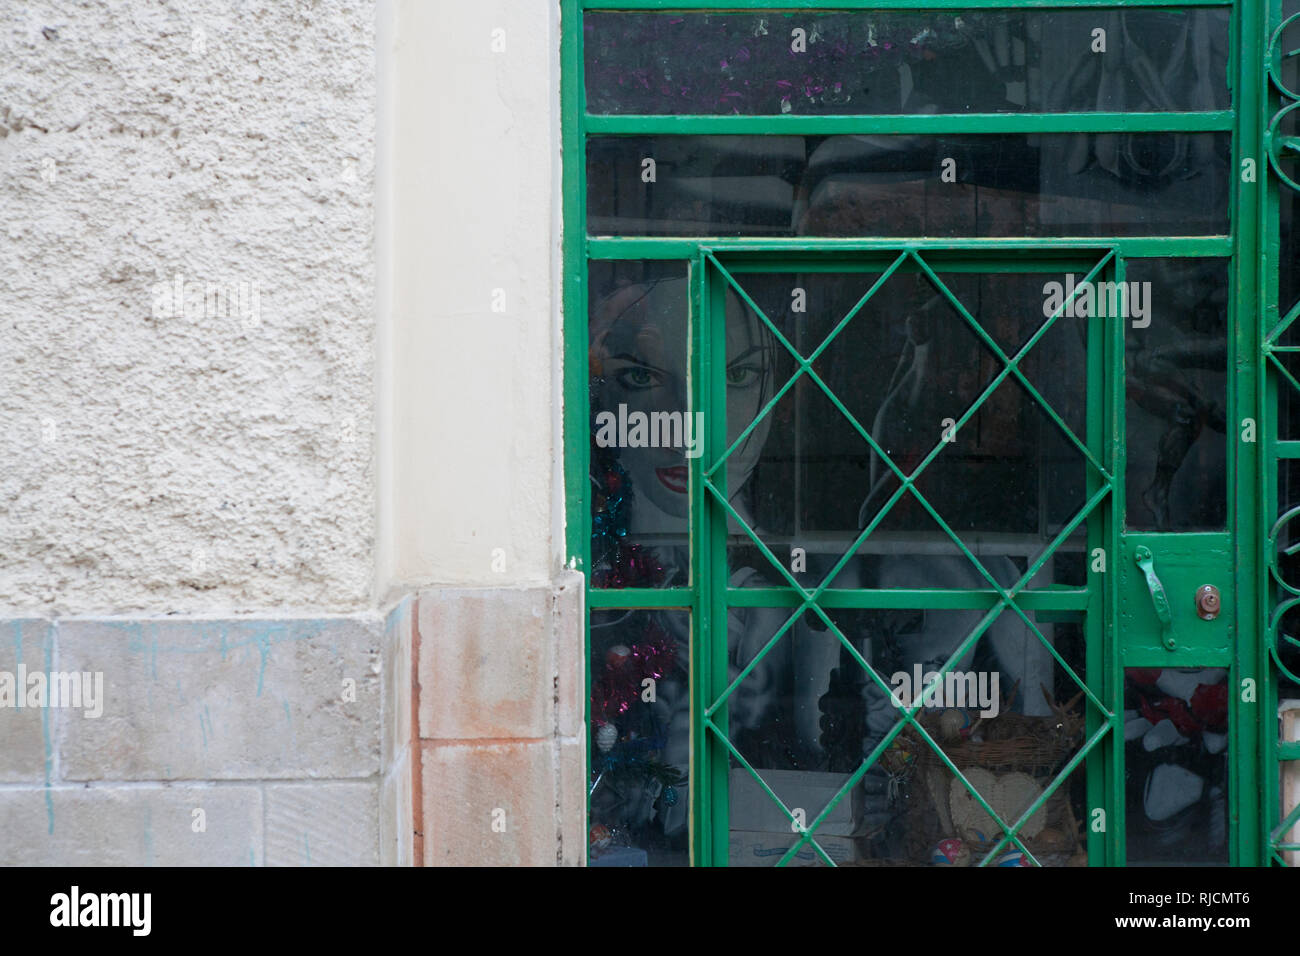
1036	746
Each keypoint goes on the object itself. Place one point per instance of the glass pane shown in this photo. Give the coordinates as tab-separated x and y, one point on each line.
1072	184
640	747
642	431
807	714
1177	394
904	370
887	62
1176	765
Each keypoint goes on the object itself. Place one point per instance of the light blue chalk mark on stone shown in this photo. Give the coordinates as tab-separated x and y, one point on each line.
45	731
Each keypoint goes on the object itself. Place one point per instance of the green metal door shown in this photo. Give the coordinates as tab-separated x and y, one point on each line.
1110	611
924	466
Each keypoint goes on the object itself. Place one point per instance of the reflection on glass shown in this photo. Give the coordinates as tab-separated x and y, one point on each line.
943	186
640	748
641	428
886	62
1176	765
808	714
1176	342
904	370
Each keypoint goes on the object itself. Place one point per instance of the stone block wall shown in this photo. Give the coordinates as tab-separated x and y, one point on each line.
447	731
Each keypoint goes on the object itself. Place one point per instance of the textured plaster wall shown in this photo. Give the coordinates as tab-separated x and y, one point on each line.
193	462
208	506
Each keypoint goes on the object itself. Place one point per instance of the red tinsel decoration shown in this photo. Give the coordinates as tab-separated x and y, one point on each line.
634	566
620	686
1208	711
1210	705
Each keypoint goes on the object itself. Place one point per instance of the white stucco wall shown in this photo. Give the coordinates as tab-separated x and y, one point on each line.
321	514
193	462
470	154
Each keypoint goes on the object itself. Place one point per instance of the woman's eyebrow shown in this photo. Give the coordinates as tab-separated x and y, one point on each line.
636	360
748	352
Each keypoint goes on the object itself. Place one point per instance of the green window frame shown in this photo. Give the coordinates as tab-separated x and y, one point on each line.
1257	376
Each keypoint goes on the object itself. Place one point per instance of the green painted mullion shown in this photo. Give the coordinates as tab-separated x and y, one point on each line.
789	124
682	598
1268	390
1130	246
969	599
830	6
713	386
575	441
1097	402
1248	840
1113	359
701	797
675	247
577	537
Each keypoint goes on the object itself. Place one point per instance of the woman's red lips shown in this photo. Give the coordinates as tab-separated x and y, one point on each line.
675	479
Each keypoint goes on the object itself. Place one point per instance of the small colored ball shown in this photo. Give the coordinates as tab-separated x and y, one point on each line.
606	737
950	852
952	722
1012	858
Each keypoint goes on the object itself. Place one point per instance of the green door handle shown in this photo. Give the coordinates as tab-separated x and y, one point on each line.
1146	561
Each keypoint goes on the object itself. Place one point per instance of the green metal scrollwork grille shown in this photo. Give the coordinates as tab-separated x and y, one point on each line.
1282	149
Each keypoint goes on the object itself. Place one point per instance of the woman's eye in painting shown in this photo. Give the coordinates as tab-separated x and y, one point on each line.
742	376
639	377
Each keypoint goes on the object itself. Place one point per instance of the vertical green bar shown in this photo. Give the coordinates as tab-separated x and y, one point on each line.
1258	308
1246	831
1113	677
701	574
573	326
714	381
1096	621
